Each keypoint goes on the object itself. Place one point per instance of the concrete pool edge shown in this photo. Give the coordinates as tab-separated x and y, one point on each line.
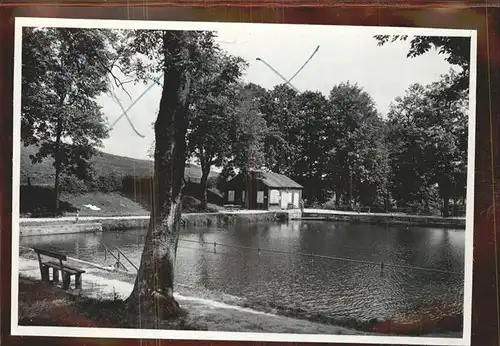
65	225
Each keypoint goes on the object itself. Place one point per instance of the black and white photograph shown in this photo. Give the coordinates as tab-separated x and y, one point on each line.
243	181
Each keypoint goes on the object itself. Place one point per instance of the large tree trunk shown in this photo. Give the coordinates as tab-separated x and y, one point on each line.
153	289
248	189
204	185
351	200
337	197
427	204
446	206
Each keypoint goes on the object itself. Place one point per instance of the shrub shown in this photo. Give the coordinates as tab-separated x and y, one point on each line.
107	183
212	182
73	185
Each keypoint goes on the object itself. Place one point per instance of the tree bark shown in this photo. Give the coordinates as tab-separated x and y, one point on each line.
204	185
206	159
153	288
427	206
446	206
337	197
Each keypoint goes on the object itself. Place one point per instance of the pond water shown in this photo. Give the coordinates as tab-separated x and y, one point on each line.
331	287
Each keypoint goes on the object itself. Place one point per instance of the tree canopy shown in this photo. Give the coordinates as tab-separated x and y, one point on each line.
428	141
455	49
212	111
64	71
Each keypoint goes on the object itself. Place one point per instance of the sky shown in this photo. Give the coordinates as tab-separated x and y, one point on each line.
345	54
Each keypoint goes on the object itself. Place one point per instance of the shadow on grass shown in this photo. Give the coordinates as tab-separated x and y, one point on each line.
41	304
38	201
140	191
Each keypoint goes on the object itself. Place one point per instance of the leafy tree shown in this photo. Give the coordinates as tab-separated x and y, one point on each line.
408	181
63	72
251	129
312	141
211	110
248	136
356	153
428	141
282	141
456	49
177	55
448	133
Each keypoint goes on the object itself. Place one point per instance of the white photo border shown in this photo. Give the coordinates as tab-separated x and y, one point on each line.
17	330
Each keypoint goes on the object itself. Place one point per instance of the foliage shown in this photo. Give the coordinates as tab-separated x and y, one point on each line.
357	160
107	183
323	143
143	54
249	132
327	144
283	120
64	70
456	50
211	111
225	175
310	145
73	185
428	141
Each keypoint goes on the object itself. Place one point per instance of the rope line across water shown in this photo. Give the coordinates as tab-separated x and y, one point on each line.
382	264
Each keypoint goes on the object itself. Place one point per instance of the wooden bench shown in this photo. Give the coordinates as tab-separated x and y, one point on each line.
58	267
232	206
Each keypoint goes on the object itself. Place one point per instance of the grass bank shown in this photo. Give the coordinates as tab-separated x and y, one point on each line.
35	200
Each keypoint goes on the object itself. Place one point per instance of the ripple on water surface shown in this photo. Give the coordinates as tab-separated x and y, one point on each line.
339	289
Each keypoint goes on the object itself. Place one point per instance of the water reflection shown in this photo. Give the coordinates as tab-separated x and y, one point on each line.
337	288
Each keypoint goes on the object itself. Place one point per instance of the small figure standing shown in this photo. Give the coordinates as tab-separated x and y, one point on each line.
77	215
301	205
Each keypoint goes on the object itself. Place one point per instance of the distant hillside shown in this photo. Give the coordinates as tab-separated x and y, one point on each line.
104	164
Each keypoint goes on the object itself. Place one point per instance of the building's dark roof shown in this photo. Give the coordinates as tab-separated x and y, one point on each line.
276	180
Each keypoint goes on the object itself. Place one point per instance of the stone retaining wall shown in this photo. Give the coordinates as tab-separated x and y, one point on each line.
59	228
391	220
231	218
117	224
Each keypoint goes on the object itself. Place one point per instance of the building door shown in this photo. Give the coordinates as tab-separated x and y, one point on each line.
260	199
295	199
285	199
230	196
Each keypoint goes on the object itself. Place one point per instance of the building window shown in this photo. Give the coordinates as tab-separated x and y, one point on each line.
230	196
274	197
260	196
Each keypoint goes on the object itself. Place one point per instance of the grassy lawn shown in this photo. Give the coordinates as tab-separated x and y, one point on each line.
104	164
110	204
115	204
41	304
37	199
